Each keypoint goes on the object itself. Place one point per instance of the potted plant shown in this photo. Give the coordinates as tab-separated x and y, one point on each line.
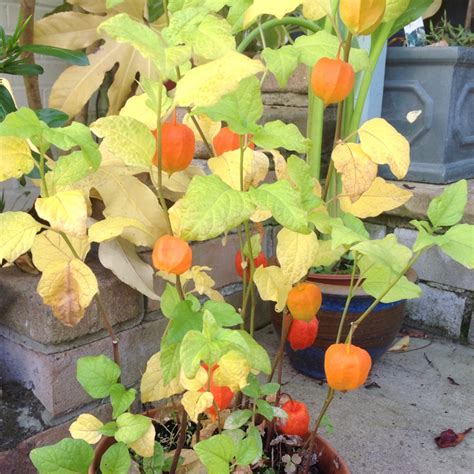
433	82
224	418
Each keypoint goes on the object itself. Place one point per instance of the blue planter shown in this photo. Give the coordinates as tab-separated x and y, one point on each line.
376	334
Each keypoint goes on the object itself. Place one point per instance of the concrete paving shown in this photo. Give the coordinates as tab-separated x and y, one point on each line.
391	429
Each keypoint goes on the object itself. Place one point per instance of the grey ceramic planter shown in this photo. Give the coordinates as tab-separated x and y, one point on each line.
440	83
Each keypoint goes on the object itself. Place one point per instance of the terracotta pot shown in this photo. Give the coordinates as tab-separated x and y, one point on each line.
329	460
376	334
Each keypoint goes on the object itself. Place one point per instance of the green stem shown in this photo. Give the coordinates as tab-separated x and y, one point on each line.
301	22
356	324
41	171
375	50
348	301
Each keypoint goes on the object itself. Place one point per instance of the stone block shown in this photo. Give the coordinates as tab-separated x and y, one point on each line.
437	267
52	376
23	312
438	309
470	336
376	231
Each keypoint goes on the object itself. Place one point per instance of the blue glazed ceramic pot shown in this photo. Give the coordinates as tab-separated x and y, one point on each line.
376	334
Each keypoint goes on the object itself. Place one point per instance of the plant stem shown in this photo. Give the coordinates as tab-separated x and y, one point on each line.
348	302
285	327
105	319
41	171
375	51
327	402
356	324
301	22
181	440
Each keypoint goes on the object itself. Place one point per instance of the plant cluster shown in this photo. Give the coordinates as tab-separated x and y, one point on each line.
451	34
214	377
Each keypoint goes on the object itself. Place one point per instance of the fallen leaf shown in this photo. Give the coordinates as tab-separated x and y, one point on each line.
413	333
24	263
449	439
372	385
401	345
452	381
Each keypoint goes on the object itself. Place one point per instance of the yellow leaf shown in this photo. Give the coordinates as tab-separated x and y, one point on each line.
326	255
379	198
114	226
70	30
18	230
196	403
126	138
260	215
49	248
68	287
385	145
401	345
227	167
195	383
152	387
233	371
272	285
316	9
93	6
66	212
15	158
86	427
208	127
176	184
260	166
269	7
127	196
145	445
281	167
203	283
296	253
205	85
358	171
136	108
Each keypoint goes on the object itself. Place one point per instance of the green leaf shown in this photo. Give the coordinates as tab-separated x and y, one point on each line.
253	389
69	456
311	48
211	207
265	409
278	134
22	124
184	320
241	109
284	203
255	244
257	355
71	168
7	105
356	225
52	117
22	69
250	449
184	23
237	418
448	208
270	388
112	3
386	252
116	460
155	463
213	38
169	300
108	429
342	235
300	175
378	278
194	348
131	427
414	11
425	240
97	375
326	423
281	62
121	399
224	313
169	362
78	58
236	14
458	243
216	453
123	29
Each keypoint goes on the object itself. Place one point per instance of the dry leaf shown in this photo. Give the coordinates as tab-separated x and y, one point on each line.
401	345
449	438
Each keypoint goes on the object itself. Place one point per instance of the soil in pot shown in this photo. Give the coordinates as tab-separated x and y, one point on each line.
376	334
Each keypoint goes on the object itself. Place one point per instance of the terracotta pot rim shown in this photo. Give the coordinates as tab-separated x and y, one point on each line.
331	461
